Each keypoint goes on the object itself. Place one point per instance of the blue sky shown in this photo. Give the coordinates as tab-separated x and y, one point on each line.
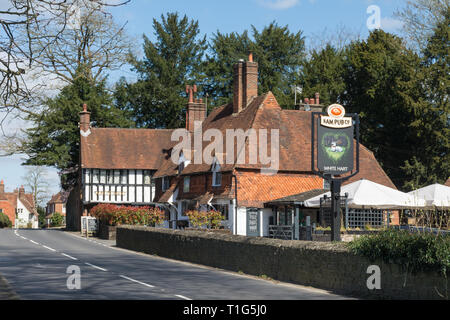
316	18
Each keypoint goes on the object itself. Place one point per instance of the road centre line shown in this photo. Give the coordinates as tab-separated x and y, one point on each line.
32	241
70	257
143	283
51	249
96	267
182	297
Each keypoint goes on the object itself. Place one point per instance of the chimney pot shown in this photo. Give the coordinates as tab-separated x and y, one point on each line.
306	101
85	119
2	187
317	98
250	57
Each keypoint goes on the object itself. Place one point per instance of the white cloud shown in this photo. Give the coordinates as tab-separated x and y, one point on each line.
391	24
278	4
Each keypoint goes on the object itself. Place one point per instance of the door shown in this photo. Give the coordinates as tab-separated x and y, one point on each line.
253	222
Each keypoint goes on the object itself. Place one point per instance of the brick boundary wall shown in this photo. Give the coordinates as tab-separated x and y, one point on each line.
6	293
324	265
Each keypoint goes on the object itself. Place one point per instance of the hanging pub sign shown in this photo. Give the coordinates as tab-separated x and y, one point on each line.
335	141
335	146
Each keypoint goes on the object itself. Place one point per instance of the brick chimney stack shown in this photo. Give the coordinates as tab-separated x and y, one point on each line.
2	187
245	83
21	191
85	119
195	110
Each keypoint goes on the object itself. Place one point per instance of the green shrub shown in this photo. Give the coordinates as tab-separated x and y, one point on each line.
211	219
57	219
412	251
4	221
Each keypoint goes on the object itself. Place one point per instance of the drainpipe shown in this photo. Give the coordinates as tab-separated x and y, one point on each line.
235	202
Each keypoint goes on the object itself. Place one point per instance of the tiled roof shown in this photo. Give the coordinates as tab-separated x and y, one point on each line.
169	192
294	137
26	199
60	197
300	197
254	189
113	148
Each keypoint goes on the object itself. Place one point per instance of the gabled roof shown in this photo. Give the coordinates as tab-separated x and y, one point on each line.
294	128
60	197
26	199
117	148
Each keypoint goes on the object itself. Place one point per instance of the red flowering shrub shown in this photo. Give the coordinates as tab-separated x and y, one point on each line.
114	215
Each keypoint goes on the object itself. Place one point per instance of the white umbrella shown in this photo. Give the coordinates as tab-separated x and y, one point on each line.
435	195
365	193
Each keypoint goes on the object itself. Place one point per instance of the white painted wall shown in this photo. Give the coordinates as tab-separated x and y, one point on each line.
242	221
266	213
24	216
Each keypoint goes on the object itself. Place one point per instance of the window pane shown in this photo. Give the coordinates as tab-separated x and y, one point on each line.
123	176
116	176
102	176
187	181
147	177
95	177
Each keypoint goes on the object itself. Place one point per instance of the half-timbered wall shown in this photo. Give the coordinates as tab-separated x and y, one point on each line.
118	186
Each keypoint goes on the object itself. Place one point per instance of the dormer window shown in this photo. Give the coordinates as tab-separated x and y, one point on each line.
217	175
182	163
165	183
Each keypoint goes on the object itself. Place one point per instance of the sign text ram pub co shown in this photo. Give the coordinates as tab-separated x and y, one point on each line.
335	141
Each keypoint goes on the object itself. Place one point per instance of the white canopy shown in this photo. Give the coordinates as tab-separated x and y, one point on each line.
435	195
367	194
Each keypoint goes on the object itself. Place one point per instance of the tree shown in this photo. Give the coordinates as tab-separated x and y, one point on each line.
157	99
381	86
420	18
431	162
224	51
323	72
36	180
4	221
57	219
54	139
279	54
28	28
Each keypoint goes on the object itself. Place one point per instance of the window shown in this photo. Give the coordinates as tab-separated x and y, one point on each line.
186	206
1	210
96	176
186	184
326	184
123	176
147	177
102	176
217	175
181	162
109	176
165	183
116	176
222	208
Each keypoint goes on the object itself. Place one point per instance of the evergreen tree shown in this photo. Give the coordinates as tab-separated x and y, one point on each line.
279	54
158	98
225	51
431	161
381	86
54	138
323	72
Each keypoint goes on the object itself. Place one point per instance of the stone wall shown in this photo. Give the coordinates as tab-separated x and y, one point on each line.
323	265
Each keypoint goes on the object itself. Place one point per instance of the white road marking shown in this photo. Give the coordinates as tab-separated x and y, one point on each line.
70	257
34	242
144	284
182	297
96	267
51	249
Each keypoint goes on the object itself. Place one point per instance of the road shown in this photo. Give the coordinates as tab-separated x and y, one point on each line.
35	263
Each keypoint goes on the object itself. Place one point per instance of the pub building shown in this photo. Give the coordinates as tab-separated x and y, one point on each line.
133	166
